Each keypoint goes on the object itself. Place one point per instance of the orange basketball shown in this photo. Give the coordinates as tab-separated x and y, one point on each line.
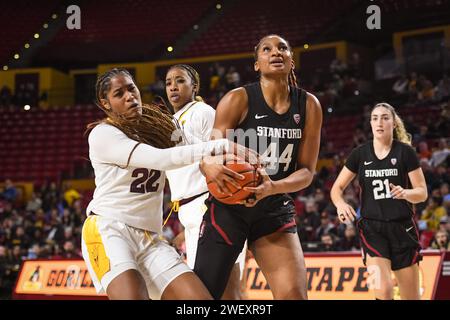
252	179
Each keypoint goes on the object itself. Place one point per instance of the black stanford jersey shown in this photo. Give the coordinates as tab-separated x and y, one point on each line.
276	137
375	175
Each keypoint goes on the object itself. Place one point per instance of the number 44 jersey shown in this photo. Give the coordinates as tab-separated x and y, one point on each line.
375	176
275	136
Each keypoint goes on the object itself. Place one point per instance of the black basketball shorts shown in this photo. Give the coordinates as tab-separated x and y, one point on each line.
397	241
224	230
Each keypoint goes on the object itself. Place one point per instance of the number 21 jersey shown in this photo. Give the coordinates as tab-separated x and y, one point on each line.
375	175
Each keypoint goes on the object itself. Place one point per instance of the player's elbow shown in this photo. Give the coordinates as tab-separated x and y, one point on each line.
336	192
335	189
309	178
423	194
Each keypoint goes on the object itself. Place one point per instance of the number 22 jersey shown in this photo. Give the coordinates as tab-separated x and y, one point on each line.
375	175
133	194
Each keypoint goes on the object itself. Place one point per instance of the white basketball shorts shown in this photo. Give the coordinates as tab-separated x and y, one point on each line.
111	247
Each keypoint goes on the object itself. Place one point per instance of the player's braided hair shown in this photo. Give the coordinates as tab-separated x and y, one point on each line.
292	76
195	78
153	127
400	133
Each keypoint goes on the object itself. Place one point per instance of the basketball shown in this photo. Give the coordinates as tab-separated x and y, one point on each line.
252	179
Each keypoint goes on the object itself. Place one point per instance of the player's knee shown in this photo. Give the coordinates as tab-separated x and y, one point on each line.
199	293
186	286
301	293
214	286
297	292
232	294
386	290
127	293
129	285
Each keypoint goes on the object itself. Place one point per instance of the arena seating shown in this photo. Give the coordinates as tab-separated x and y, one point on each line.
130	25
145	31
340	129
420	13
240	29
39	145
389	6
421	114
16	16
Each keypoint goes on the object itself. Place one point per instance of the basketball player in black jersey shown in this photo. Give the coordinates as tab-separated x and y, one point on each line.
286	122
391	180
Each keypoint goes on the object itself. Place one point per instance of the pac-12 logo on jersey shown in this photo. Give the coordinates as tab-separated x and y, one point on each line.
394	161
297	118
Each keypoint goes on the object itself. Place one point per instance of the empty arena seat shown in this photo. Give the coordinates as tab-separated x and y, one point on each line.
40	152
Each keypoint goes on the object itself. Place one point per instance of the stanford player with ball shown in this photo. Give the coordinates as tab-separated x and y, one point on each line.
282	122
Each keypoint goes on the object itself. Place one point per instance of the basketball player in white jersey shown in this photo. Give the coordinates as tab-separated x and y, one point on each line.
187	185
129	151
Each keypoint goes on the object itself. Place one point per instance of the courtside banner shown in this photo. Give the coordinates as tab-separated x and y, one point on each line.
47	278
331	276
342	276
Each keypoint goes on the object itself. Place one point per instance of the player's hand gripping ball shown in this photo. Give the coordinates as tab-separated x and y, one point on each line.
252	179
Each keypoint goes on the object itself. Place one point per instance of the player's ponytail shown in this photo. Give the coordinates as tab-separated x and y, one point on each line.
293	77
400	133
153	127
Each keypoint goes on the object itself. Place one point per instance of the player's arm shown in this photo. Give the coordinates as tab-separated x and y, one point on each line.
207	122
110	145
308	151
229	113
418	193
344	210
198	128
306	158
